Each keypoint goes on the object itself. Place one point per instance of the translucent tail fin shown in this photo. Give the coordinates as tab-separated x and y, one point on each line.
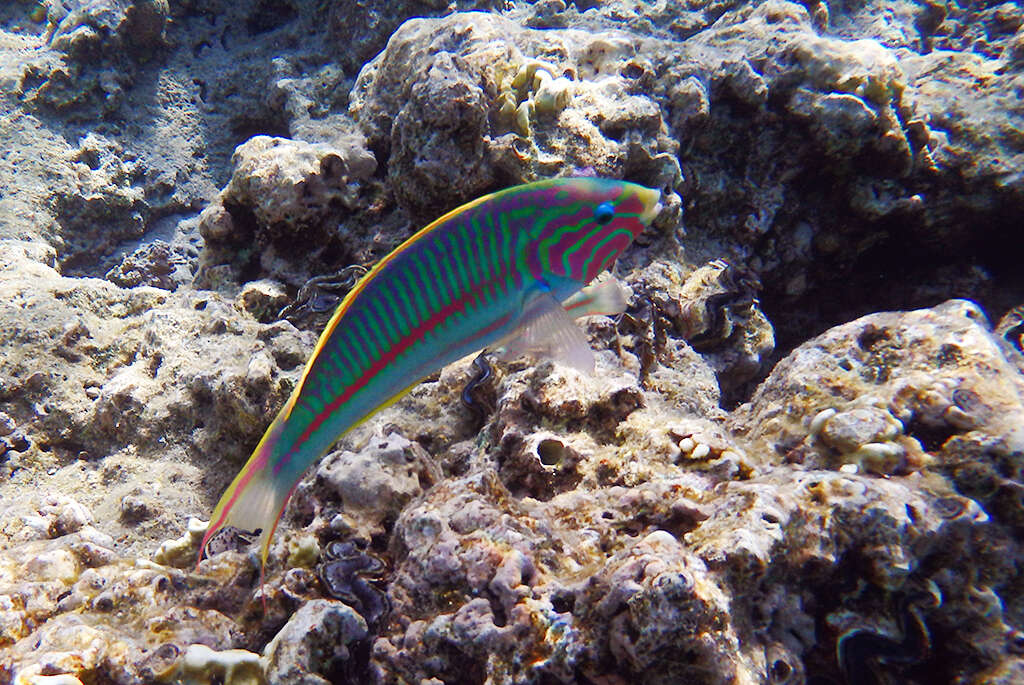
255	501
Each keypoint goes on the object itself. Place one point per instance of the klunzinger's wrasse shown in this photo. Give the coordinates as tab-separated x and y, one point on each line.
508	270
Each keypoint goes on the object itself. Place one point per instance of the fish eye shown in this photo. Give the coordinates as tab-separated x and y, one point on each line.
604	212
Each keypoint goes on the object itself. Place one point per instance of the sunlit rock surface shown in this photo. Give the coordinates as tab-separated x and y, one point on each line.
798	459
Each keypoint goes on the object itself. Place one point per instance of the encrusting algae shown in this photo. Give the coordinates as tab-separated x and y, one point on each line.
761	480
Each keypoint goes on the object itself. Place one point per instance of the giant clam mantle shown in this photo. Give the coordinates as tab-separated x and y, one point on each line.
865	655
717	299
1011	327
351	575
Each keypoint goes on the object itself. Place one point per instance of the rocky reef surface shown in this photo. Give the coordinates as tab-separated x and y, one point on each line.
799	459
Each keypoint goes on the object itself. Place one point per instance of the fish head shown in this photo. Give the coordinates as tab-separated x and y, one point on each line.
588	223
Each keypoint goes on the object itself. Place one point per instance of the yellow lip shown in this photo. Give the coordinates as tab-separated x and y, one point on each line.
651	200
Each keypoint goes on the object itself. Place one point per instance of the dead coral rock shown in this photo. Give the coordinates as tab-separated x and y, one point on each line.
540	464
888	119
155	264
467	643
70	604
895	392
958	128
364	490
480	509
96	198
852	92
378	19
592	402
752	522
481	577
281	191
264	299
835	89
438	139
89	63
135	376
290	185
89	28
848	542
317	641
106	205
464	540
478	96
97	195
41	518
533	461
653	597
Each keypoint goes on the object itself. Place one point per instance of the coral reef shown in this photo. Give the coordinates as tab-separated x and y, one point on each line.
319	638
897	392
98	382
798	459
506	101
280	190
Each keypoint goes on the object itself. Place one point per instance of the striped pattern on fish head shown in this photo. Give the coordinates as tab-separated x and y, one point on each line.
582	225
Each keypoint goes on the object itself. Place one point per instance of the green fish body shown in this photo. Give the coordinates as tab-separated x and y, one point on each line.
493	272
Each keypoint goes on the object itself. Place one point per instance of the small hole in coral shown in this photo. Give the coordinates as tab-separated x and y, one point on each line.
563	603
332	167
500	618
870	336
167	651
550	452
949	355
781	671
633	71
966	399
90	158
912	513
614	131
949	507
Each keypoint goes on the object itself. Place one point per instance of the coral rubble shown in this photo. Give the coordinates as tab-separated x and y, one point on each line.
797	461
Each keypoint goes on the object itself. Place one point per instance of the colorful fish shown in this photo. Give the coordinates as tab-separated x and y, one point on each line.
508	270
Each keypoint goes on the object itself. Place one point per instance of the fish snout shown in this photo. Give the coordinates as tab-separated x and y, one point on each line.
650	198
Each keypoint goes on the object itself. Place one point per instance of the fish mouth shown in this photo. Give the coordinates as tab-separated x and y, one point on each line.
651	201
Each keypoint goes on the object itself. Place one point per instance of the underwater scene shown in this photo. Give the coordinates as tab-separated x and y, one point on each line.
511	342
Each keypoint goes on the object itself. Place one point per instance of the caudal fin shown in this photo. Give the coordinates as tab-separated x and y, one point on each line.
255	500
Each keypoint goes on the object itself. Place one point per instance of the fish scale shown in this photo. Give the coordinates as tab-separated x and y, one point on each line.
481	275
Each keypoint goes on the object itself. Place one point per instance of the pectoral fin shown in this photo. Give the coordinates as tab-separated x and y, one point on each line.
546	329
606	297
